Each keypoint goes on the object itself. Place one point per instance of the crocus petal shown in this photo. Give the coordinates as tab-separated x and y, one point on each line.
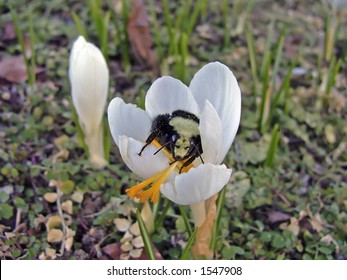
197	185
89	77
216	83
145	165
167	95
127	119
211	133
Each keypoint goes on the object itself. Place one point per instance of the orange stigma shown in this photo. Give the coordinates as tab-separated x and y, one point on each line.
150	188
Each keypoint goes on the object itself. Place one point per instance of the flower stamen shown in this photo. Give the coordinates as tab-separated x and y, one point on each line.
172	160
152	191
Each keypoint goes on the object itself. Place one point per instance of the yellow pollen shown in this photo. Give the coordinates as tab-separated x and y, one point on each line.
150	188
152	191
169	156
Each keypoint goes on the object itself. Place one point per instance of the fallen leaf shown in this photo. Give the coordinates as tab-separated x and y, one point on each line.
127	246
136	253
13	69
134	229
55	235
51	197
201	248
277	216
68	243
122	225
9	32
138	242
66	206
77	196
113	251
140	36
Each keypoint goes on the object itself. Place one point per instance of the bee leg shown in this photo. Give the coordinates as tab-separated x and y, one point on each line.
189	161
149	140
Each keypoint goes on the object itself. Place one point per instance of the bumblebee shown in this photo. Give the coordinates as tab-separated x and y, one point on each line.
179	134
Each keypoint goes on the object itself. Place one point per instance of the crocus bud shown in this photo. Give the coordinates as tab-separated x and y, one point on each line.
89	78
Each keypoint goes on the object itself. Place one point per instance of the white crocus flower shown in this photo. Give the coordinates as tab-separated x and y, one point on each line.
89	79
214	97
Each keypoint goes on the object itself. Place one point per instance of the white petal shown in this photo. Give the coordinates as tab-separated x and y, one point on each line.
145	165
211	132
127	119
197	185
216	83
167	95
89	77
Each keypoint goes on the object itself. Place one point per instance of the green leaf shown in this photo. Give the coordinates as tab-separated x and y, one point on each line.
20	203
6	211
230	252
278	241
67	186
145	236
4	197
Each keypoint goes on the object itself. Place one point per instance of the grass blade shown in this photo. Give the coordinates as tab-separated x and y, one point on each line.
32	38
225	15
145	236
252	58
194	17
20	37
278	57
156	32
79	25
272	151
333	70
220	204
168	23
189	244
106	139
161	218
267	51
265	99
185	219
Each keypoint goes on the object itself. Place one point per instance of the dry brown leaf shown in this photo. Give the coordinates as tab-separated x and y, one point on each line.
50	197
127	246
55	235
77	196
136	253
13	69
134	229
66	206
201	248
9	32
121	224
68	243
140	37
113	251
138	242
277	216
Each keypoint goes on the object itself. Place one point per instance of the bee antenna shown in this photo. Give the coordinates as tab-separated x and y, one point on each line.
162	147
196	148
